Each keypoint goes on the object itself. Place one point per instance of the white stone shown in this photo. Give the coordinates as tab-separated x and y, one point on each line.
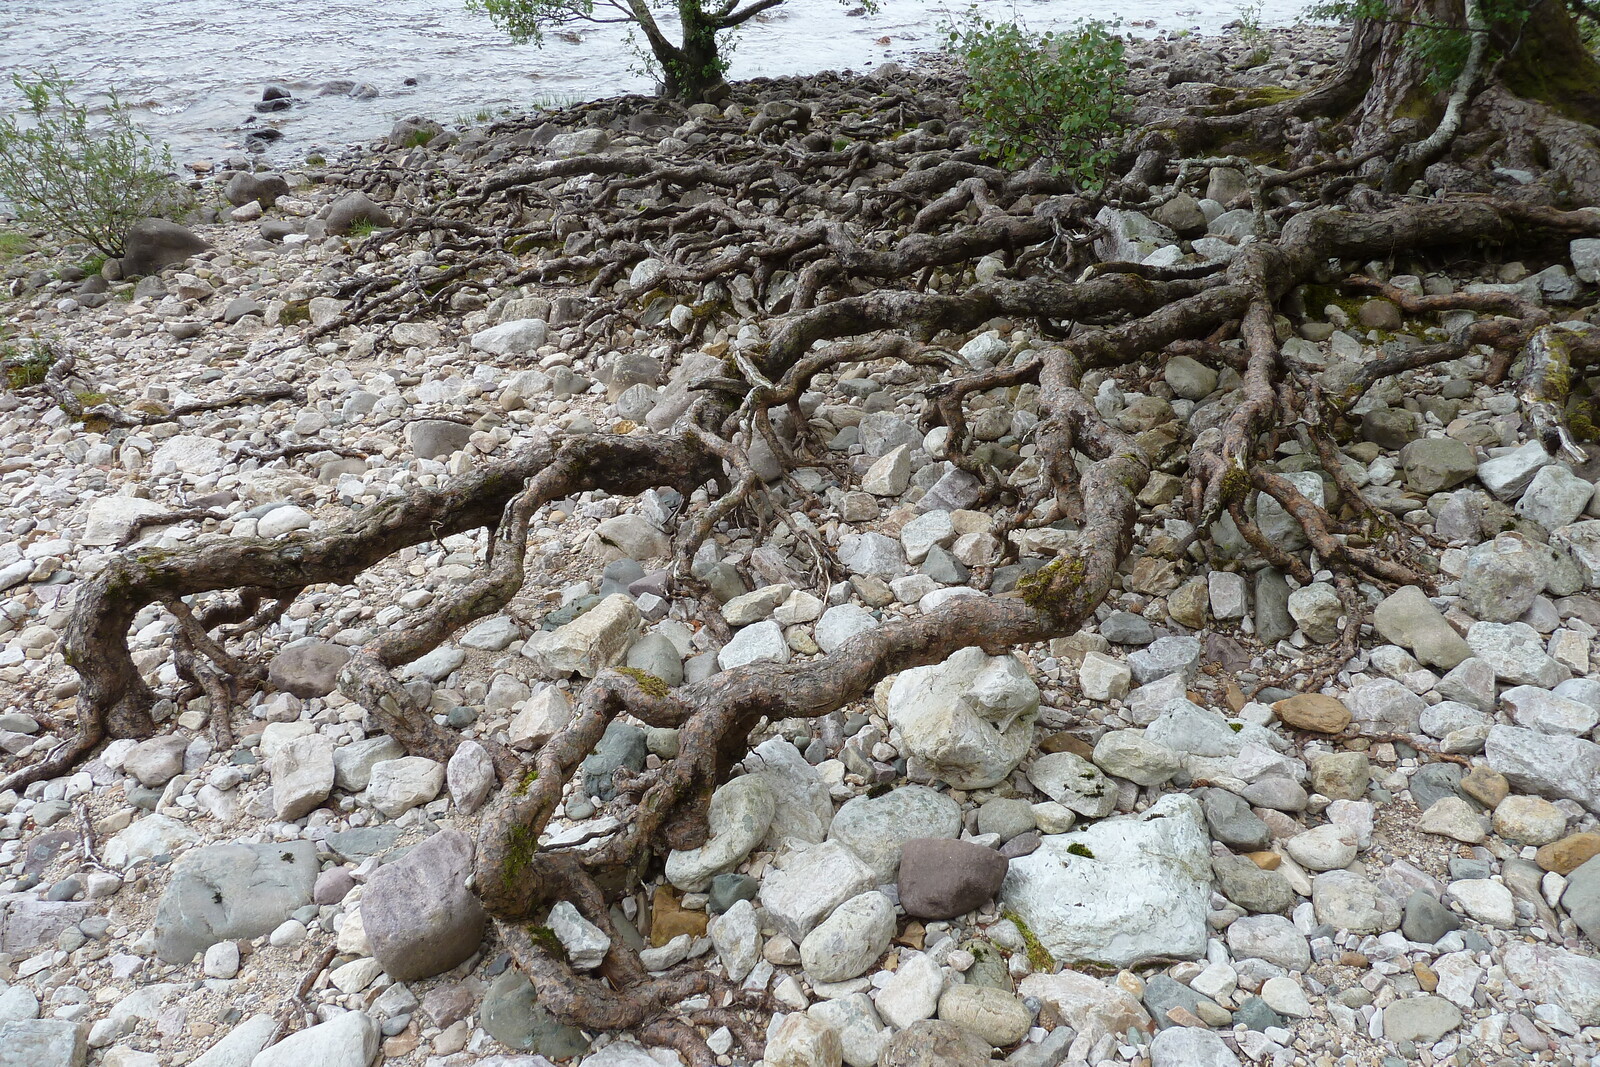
1144	893
398	785
969	719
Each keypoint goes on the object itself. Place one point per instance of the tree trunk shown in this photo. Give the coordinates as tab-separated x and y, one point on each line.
1535	84
692	71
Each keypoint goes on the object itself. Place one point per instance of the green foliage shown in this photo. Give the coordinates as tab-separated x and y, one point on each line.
1250	30
1078	848
24	368
363	228
1051	98
14	244
84	182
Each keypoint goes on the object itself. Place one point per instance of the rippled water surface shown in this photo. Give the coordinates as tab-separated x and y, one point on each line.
194	68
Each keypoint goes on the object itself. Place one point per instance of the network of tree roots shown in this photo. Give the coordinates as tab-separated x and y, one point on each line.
864	254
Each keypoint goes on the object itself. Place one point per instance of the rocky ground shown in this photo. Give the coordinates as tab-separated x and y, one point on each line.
1109	850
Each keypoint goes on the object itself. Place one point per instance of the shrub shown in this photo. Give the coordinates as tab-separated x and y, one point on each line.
1048	98
86	182
1051	98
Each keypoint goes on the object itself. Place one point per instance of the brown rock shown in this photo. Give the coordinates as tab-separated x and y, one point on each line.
1267	861
1066	742
668	918
1427	977
1315	712
1354	959
1568	854
1379	315
1487	787
418	913
941	878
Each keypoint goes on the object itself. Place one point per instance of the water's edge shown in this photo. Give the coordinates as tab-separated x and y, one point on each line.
193	71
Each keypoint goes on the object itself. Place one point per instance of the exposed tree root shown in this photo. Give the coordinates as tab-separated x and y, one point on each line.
840	257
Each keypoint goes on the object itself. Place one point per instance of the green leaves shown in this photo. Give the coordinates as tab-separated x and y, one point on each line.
86	183
1052	98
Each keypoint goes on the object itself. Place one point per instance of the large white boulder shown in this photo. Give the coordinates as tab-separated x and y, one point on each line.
1120	891
968	719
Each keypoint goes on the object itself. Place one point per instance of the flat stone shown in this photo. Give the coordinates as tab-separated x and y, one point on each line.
224	892
1420	1019
1143	891
941	878
738	817
42	1043
595	640
513	1016
1183	1046
1408	618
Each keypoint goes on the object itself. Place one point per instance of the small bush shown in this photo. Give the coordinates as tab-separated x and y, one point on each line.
84	182
1051	98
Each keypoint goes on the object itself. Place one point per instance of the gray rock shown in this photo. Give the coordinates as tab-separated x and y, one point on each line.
1142	891
623	745
1162	994
813	883
398	785
240	1045
1556	976
353	763
1126	628
157	761
1272	618
1163	657
437	438
862	1034
1272	938
246	188
1581	898
1255	890
1471	683
1232	822
1508	475
1548	712
1132	755
1426	920
1437	464
761	643
419	915
1183	1046
1435	782
595	640
1347	901
470	776
348	1040
737	818
1069	779
1548	765
585	943
154	244
308	668
656	655
876	828
42	1043
736	934
1316	609
1515	652
302	776
1422	1019
513	1016
969	719
872	554
850	940
842	622
1408	618
223	892
1501	580
1556	497
352	209
934	1043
